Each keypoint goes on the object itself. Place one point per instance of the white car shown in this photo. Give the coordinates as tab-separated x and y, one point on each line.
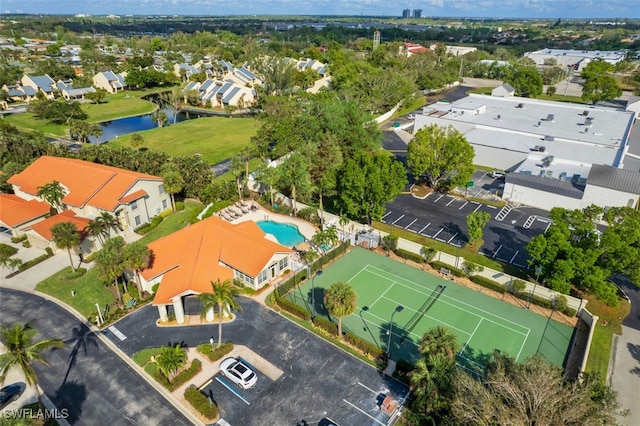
496	174
411	117
238	372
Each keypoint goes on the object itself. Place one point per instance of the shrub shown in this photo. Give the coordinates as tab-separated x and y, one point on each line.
293	309
154	288
428	253
49	251
73	275
409	255
326	325
143	356
488	283
390	242
365	346
19	238
7	250
309	214
215	354
183	377
179	206
201	403
437	265
517	287
26	244
193	218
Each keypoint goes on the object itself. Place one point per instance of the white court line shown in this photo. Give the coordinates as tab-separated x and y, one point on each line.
450	239
479	205
452	200
514	256
496	252
383	293
414	221
394	222
438	199
428	224
365	413
377	325
416	286
385	215
441	229
522	346
471	337
465	203
364	268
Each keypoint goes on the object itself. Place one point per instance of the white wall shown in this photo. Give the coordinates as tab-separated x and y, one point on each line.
541	199
606	197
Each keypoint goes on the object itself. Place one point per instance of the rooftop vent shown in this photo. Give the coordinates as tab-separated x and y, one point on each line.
520	105
585	113
588	121
550	117
498	117
549	138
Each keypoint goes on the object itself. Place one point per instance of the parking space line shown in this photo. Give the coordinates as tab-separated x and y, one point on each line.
490	207
496	253
424	228
441	229
369	389
465	203
479	205
451	239
547	228
452	200
235	392
365	413
414	221
385	215
394	222
438	199
514	256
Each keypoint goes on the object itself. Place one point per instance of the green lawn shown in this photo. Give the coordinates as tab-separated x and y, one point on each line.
123	104
215	138
89	290
600	351
29	121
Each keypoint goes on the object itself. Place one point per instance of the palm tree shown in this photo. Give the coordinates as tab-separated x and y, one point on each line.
108	221
22	353
295	176
439	340
223	294
331	235
171	359
343	221
94	227
52	193
160	117
340	301
432	383
173	183
66	236
269	177
136	258
109	263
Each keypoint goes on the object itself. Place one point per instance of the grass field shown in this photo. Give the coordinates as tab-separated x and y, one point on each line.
118	105
481	323
215	138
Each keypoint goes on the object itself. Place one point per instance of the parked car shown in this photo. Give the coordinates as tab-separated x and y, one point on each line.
326	421
411	117
10	393
497	174
238	372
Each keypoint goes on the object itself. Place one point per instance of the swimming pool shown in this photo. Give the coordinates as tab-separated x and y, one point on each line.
287	235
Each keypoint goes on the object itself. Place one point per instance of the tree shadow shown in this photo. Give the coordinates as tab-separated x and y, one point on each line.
82	337
634	350
70	396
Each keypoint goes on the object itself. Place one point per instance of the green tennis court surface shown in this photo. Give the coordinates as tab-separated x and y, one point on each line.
482	323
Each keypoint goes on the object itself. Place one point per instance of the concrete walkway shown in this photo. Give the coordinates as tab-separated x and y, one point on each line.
625	373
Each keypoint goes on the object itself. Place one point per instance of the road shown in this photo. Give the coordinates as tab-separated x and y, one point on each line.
86	377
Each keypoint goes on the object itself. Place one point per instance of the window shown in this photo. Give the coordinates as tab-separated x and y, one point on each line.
164	204
137	220
284	262
161	189
134	205
262	277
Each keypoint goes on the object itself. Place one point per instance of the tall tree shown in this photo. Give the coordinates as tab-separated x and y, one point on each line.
173	182
23	353
52	193
440	154
294	176
599	84
136	258
66	236
525	80
160	117
109	263
325	161
340	301
223	295
269	176
476	221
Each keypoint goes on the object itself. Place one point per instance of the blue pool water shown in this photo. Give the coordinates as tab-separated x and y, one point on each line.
287	235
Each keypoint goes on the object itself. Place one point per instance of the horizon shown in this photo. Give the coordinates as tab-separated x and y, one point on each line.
470	9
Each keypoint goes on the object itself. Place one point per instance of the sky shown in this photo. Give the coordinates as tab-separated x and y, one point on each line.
448	8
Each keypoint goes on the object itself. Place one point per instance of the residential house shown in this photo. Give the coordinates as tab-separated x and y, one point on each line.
69	93
185	70
41	236
187	261
408	49
503	91
40	83
91	189
20	93
18	214
219	93
110	81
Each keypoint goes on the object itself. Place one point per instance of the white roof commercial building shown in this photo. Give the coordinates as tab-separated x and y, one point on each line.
550	146
577	59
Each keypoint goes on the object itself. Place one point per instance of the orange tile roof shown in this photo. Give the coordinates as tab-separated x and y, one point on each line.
44	228
88	183
15	211
133	196
194	256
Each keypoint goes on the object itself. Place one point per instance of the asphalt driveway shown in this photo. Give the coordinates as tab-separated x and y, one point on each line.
319	380
86	377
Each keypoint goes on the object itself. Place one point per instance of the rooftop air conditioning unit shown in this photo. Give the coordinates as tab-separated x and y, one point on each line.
498	117
550	117
520	105
588	121
585	113
549	138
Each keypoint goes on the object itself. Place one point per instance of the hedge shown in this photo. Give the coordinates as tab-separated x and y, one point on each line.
326	325
215	354
179	206
7	250
365	346
437	265
19	238
488	283
409	255
31	263
293	309
201	403
182	378
149	226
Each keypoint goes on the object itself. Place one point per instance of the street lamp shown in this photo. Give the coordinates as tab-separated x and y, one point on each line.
211	341
399	308
313	300
538	272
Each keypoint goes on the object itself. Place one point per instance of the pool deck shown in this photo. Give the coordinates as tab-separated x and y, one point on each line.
305	228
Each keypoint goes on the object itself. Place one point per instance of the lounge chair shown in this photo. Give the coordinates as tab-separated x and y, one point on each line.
253	207
244	209
231	213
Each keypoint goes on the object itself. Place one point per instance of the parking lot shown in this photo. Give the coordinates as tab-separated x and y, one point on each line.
443	218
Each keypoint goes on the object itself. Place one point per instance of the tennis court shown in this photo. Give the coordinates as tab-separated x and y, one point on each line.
482	323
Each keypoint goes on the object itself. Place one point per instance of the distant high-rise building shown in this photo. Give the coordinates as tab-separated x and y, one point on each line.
376	39
406	14
417	13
